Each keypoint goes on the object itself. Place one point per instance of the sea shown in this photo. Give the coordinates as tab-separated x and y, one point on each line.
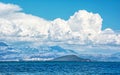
59	68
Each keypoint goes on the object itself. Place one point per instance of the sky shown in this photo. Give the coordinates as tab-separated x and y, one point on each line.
89	27
52	9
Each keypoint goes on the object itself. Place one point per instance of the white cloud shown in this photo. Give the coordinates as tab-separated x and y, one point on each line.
8	8
21	24
59	29
28	25
107	36
81	28
85	22
6	27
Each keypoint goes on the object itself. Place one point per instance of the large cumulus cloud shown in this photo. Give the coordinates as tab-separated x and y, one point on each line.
81	28
83	21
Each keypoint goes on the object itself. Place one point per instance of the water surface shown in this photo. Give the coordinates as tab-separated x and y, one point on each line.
59	68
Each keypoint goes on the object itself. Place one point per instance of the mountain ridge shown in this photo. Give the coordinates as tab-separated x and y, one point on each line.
71	58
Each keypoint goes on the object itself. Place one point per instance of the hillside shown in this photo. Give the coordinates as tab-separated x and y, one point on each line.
71	58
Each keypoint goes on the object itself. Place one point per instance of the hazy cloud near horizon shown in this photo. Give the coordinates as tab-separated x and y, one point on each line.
82	28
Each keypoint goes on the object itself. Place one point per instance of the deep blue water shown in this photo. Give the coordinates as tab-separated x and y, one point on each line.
59	68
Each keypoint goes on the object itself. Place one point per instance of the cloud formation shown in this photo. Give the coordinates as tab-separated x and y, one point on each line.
9	8
81	28
87	22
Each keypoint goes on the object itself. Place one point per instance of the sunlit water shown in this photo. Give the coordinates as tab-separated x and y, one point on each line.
59	68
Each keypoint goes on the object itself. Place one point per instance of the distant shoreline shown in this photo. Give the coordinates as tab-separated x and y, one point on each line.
63	61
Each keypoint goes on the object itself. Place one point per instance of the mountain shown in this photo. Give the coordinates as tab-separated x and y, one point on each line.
3	44
27	53
116	54
101	57
71	58
45	53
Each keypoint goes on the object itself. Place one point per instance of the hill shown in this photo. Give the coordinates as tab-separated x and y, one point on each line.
71	58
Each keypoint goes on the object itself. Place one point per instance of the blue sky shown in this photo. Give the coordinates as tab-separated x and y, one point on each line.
51	9
80	33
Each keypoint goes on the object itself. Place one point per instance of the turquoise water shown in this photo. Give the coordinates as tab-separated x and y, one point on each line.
59	68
